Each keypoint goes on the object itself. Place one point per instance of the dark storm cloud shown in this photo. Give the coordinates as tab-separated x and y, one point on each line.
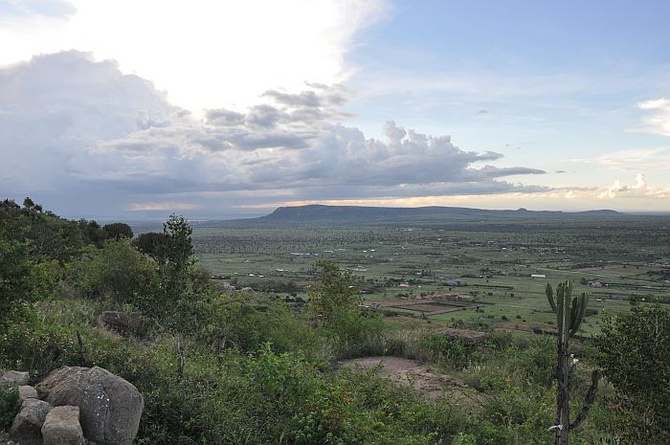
71	124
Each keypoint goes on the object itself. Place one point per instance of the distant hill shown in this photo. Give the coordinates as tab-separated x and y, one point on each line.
323	215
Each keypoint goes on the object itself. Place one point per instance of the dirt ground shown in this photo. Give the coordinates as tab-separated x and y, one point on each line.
425	379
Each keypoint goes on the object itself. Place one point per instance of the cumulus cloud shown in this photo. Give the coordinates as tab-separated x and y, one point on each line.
640	189
73	127
53	107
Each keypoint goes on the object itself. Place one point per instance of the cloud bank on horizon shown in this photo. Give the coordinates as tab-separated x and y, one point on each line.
81	124
89	137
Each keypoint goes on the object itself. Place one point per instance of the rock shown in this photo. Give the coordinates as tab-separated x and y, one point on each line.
5	440
124	323
9	378
28	423
110	407
27	392
61	427
466	336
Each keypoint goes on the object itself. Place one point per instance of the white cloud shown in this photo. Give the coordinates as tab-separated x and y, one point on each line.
205	53
640	189
657	158
659	120
75	126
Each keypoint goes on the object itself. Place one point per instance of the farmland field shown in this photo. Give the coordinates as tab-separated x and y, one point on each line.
479	273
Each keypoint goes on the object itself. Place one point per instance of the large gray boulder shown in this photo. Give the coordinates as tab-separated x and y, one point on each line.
28	423
110	407
61	427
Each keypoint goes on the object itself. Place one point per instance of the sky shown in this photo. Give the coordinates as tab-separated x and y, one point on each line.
136	109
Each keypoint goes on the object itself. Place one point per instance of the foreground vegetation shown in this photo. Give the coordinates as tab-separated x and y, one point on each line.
246	367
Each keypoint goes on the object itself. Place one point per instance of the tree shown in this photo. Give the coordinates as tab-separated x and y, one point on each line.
92	233
174	256
333	291
16	284
118	271
28	203
178	249
570	312
173	301
118	230
634	353
152	244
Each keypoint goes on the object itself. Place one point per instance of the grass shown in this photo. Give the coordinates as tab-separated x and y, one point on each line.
495	260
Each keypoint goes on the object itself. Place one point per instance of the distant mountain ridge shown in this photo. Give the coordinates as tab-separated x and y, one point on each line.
322	215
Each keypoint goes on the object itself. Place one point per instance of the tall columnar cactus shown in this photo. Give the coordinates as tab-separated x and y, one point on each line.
570	312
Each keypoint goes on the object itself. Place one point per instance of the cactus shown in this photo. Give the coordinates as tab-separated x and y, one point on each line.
575	307
570	312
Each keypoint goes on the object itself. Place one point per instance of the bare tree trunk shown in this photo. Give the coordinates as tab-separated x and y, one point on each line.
563	396
563	369
588	400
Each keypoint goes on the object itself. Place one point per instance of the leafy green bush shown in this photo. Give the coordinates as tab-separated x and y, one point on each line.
17	282
10	403
117	271
245	323
634	353
356	334
38	347
442	350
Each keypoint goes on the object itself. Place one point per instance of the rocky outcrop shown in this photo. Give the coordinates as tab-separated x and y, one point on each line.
110	407
76	405
61	427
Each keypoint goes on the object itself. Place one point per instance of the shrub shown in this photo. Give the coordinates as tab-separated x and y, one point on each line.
634	353
442	350
118	271
38	347
356	334
10	403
